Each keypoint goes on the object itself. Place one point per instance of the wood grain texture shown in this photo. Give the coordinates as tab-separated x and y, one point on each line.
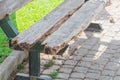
78	22
9	6
47	25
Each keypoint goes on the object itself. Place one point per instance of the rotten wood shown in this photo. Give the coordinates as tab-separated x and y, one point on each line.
10	6
78	22
47	25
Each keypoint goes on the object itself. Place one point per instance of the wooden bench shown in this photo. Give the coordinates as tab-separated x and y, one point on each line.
54	31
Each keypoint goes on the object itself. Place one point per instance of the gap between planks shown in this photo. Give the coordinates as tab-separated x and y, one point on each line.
78	22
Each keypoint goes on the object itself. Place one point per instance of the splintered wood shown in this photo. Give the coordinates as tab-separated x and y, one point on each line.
46	26
78	22
9	6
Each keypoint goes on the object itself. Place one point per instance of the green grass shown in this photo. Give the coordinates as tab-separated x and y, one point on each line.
49	64
24	18
54	74
32	12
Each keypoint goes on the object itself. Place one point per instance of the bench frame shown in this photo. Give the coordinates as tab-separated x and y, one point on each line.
8	28
34	51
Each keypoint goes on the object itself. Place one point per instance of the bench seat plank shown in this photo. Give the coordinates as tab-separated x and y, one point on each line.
9	6
47	25
78	22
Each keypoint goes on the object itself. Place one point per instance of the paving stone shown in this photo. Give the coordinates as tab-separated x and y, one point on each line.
108	73
94	71
118	51
75	79
46	57
65	70
90	56
87	59
105	78
47	72
79	41
70	62
67	53
106	39
60	57
88	34
115	60
99	55
68	66
89	79
84	64
92	52
113	47
116	38
81	51
97	35
71	57
97	67
63	76
77	75
92	75
116	42
110	34
118	72
99	47
110	51
91	41
116	55
43	62
44	76
60	79
58	62
77	58
105	55
86	46
112	66
116	29
117	78
80	69
54	67
101	61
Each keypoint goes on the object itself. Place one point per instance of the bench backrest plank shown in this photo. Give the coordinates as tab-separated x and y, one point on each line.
9	6
47	25
78	22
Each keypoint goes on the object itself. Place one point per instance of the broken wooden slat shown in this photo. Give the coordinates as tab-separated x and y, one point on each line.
47	25
78	22
9	6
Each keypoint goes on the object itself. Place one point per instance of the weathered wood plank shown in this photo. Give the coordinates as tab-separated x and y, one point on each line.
47	25
74	25
9	6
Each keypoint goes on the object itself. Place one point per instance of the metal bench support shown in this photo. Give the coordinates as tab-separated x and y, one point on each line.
34	65
94	27
8	28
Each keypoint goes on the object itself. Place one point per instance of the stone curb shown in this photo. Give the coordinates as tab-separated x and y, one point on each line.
10	63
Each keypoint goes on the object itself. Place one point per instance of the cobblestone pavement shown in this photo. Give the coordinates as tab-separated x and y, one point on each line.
93	55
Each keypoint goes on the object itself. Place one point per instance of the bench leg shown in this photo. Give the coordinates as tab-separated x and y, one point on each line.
34	66
8	28
94	27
